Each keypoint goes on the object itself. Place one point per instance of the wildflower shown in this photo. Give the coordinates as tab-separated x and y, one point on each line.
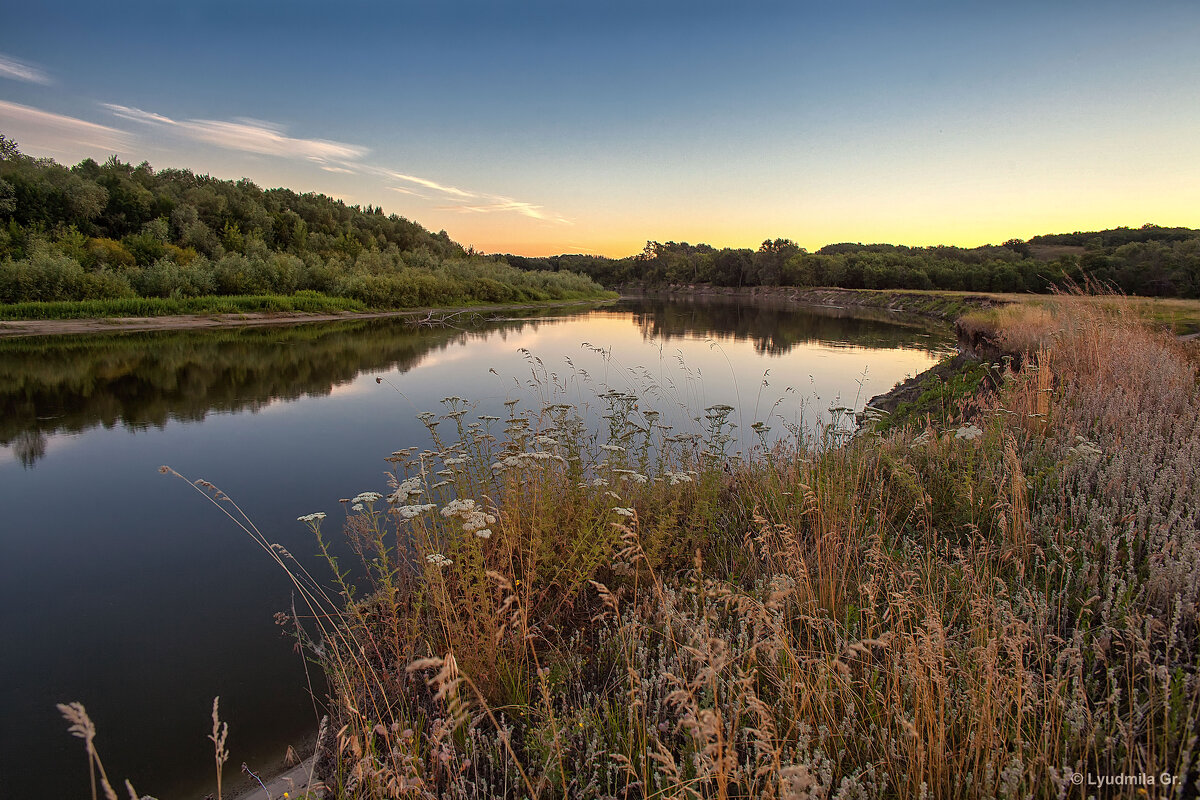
486	533
968	432
357	507
546	441
674	478
457	507
411	512
408	489
316	516
630	475
624	512
454	462
488	418
438	560
472	518
366	497
425	416
612	448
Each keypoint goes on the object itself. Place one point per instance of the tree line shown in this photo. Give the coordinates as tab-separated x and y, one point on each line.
1150	260
116	230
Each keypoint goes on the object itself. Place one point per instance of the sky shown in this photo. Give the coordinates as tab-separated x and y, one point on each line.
538	127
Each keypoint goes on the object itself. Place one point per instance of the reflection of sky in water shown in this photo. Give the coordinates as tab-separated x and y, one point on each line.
123	589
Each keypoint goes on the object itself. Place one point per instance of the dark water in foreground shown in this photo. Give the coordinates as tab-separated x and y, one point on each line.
124	589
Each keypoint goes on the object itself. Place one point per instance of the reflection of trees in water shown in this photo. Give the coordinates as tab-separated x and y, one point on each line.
776	328
69	384
29	446
58	384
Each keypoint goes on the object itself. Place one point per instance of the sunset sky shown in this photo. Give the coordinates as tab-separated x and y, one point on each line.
539	127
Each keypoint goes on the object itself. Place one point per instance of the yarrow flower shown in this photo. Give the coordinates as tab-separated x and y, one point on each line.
411	512
624	512
408	489
486	533
472	518
367	497
356	507
968	432
316	516
438	560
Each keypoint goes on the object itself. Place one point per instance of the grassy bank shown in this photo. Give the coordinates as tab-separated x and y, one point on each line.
984	610
1004	603
307	302
302	302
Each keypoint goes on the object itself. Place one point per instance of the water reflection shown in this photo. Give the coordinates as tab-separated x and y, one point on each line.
776	327
52	385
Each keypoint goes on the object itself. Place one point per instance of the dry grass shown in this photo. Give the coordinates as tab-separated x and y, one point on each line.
995	610
978	612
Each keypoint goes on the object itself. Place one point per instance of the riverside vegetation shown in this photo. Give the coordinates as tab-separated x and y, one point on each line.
117	239
1001	605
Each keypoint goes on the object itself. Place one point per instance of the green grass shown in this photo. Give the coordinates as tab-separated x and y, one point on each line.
945	395
158	307
306	302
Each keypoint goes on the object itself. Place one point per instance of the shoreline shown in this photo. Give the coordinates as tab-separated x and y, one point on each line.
56	327
943	308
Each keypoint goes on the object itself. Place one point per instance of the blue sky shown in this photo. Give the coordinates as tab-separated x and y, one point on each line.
539	127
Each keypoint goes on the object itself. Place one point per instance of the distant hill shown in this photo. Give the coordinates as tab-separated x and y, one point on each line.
1150	260
114	230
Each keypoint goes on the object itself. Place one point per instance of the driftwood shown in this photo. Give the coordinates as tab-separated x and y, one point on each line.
446	319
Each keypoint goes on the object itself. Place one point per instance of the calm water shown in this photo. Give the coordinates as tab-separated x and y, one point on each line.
123	589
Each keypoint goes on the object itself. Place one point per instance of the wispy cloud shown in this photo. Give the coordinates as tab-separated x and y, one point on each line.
496	204
57	133
500	204
437	187
246	135
402	190
19	70
137	115
256	136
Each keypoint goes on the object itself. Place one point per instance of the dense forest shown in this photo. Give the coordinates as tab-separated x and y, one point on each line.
115	230
1146	261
